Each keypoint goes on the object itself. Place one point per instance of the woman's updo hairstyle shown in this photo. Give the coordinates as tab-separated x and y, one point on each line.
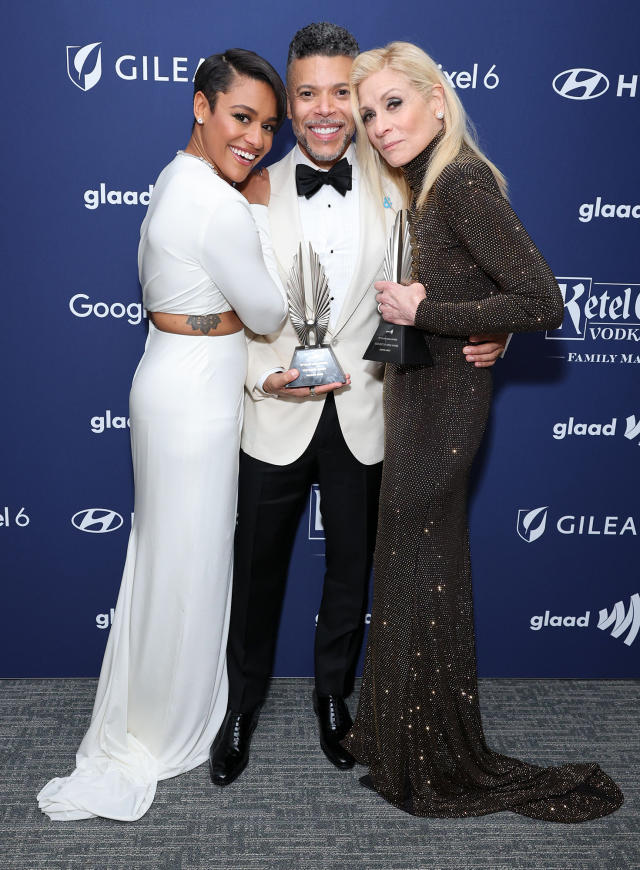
217	73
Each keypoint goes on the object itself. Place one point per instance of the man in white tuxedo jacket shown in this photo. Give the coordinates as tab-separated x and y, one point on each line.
331	435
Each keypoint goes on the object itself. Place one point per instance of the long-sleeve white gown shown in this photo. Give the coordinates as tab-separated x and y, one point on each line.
162	692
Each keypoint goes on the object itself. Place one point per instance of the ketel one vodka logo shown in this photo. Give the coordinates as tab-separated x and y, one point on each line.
84	65
602	314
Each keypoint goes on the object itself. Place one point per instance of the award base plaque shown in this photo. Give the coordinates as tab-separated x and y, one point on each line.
317	366
315	361
404	345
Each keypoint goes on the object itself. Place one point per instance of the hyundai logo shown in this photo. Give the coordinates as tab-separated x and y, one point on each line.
580	84
97	520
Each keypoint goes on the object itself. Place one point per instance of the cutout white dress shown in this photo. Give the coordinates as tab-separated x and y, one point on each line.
162	692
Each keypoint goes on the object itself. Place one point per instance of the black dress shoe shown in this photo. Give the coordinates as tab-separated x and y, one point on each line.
335	722
229	752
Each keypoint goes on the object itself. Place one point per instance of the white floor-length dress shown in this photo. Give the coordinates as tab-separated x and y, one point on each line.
162	692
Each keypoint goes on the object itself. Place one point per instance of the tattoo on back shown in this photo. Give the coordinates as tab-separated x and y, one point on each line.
204	323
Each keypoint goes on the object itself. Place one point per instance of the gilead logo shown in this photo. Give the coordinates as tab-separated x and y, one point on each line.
531	524
84	65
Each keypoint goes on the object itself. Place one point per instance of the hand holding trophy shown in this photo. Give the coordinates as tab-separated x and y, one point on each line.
404	345
315	361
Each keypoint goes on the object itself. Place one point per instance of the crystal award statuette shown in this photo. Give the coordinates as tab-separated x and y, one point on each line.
404	345
315	361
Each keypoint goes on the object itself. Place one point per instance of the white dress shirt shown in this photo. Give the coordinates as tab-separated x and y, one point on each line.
331	223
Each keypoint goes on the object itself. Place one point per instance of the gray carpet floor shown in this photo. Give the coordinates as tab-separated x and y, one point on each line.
292	811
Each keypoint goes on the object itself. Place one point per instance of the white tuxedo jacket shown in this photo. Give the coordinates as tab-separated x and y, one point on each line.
278	430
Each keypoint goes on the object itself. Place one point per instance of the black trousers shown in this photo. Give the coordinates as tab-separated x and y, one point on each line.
271	499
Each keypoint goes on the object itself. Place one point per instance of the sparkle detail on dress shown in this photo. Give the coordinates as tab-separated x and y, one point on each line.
420	662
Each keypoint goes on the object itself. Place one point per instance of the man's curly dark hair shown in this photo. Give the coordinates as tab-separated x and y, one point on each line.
322	38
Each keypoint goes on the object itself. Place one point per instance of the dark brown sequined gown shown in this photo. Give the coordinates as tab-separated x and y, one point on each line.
418	726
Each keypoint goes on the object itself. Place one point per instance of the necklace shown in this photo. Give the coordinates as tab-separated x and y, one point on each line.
202	160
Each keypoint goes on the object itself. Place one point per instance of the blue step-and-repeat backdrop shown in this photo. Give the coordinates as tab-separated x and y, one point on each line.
97	99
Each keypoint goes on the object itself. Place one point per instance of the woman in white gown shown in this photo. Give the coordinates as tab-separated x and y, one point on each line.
162	692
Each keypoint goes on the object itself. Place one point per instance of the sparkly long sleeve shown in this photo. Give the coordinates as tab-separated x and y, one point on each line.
419	727
509	287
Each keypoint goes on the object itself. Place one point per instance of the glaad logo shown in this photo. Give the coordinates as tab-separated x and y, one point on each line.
95	198
97	520
531	523
316	528
84	65
564	430
99	424
538	622
580	84
632	428
589	210
622	621
104	620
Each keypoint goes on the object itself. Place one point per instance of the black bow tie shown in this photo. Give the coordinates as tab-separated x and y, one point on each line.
309	180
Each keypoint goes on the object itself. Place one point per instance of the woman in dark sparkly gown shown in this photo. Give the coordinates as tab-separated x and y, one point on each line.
418	726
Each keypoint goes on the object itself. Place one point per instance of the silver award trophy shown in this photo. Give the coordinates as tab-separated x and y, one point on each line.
315	361
404	345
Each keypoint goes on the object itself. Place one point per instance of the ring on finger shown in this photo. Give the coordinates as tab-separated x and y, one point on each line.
379	307
312	391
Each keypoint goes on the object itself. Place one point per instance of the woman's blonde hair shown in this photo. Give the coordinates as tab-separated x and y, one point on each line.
423	73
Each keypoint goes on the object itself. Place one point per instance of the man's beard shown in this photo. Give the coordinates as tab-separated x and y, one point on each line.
323	158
